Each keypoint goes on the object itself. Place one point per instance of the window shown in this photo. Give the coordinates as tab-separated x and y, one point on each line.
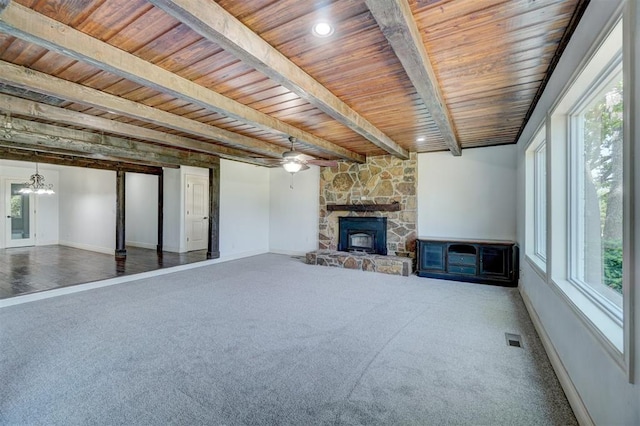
540	201
537	200
588	215
596	154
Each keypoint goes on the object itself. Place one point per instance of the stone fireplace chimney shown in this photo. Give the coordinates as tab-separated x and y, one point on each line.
382	180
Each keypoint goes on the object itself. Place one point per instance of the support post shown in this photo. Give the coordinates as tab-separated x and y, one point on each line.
121	251
160	211
213	246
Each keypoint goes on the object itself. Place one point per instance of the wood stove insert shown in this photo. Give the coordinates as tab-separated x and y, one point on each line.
363	234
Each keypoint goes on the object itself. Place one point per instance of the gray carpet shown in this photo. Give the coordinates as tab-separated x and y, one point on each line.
269	340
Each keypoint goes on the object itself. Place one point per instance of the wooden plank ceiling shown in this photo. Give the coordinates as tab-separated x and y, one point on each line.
169	82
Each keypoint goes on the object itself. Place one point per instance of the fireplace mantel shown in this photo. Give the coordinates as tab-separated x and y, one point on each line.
393	207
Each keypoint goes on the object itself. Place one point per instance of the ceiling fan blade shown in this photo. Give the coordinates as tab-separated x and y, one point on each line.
323	163
270	160
304	157
304	167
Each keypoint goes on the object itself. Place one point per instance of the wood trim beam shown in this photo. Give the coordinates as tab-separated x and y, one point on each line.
213	243
213	22
92	145
397	24
43	83
160	243
12	153
30	143
121	249
33	27
40	111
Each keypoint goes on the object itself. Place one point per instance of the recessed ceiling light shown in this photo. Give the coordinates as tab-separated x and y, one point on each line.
322	29
421	139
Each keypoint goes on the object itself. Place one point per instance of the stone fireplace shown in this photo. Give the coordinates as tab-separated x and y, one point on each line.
383	180
383	187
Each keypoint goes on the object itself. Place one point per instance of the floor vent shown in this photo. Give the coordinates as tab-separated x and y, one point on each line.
513	340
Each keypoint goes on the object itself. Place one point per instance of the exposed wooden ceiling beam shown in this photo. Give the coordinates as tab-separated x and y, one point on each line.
24	142
53	86
36	110
74	161
397	24
28	25
214	23
92	145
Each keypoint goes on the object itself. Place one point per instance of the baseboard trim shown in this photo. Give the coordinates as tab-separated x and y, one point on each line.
171	249
47	243
577	405
236	256
141	245
88	247
289	252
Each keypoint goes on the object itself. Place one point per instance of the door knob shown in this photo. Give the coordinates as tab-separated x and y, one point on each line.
205	217
8	217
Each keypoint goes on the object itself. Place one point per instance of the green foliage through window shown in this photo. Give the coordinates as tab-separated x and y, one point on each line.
613	264
603	137
16	206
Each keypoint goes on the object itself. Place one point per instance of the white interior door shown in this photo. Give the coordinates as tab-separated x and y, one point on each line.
197	214
19	229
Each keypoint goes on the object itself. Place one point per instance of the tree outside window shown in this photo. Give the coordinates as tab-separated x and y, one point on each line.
602	137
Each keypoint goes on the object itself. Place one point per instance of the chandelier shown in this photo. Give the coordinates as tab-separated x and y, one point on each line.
36	185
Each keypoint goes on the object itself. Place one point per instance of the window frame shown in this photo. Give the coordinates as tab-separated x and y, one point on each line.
540	201
536	201
613	337
605	298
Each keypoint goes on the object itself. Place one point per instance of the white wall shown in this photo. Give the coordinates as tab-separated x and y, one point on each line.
46	206
293	212
470	196
141	207
173	203
244	210
596	385
174	227
88	209
82	213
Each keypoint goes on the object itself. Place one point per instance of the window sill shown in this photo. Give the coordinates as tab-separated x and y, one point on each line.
538	266
608	332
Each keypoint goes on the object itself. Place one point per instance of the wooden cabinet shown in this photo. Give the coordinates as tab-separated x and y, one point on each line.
480	261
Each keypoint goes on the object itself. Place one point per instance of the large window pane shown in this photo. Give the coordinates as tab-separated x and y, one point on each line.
540	201
597	222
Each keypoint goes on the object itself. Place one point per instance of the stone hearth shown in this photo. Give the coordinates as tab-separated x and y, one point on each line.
393	265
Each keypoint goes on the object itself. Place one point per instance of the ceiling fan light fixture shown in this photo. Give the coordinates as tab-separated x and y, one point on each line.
292	166
322	29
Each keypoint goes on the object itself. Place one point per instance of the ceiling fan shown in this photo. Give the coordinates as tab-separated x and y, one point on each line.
294	161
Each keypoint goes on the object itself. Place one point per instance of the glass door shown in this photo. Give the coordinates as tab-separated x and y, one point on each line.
19	217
